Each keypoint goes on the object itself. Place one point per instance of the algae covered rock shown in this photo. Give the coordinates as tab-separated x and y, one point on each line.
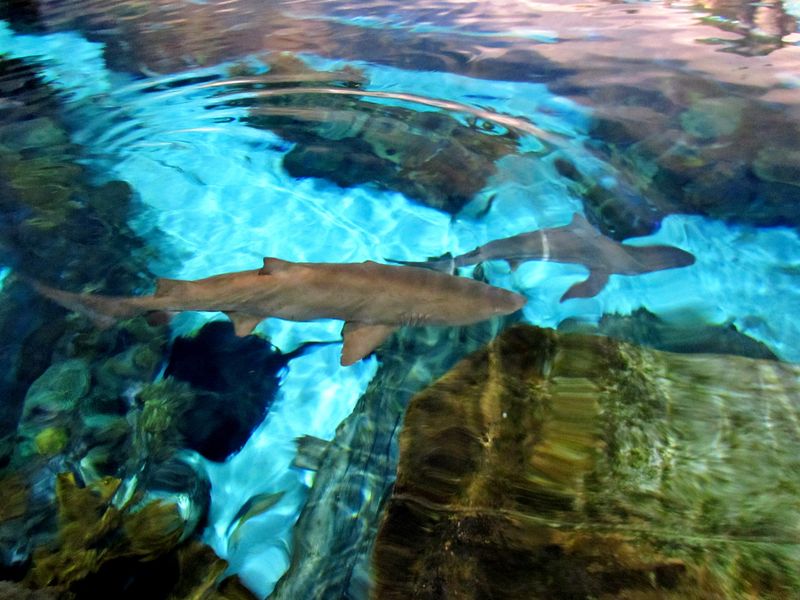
573	466
58	389
112	540
431	157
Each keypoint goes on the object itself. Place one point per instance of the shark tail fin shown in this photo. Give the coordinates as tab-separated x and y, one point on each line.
103	311
445	263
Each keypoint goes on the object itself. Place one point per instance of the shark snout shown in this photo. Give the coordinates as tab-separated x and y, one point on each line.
511	302
684	259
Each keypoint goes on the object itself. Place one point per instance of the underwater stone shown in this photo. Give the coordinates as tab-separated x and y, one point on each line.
573	466
41	133
778	165
713	117
10	590
646	329
58	389
428	156
334	534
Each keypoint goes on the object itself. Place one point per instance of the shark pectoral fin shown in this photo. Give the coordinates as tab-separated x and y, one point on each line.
596	281
361	338
274	265
164	286
243	324
514	263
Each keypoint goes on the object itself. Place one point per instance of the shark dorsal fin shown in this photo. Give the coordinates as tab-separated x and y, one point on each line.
361	338
243	324
578	220
164	286
274	265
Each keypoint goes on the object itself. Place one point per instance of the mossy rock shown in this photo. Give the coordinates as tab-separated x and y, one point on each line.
713	117
127	550
94	531
574	466
431	157
58	389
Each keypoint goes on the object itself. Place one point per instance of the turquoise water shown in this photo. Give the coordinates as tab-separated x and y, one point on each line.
212	194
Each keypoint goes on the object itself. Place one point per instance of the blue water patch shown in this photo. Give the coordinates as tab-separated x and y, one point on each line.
742	276
315	396
69	62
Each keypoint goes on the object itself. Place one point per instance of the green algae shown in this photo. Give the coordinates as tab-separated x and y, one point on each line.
575	466
51	441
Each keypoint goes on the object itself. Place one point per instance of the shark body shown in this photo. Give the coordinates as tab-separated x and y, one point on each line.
373	299
579	243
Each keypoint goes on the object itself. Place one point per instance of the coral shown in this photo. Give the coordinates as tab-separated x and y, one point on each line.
58	389
573	466
51	441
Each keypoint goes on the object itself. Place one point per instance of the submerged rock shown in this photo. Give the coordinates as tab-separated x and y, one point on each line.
58	389
15	591
646	329
573	466
430	157
114	544
334	534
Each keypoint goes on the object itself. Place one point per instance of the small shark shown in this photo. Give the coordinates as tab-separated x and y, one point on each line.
373	299
579	243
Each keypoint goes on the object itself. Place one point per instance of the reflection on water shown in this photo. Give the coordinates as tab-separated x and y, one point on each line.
186	138
762	26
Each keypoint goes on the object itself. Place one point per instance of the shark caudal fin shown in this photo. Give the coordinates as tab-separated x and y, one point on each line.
103	311
444	263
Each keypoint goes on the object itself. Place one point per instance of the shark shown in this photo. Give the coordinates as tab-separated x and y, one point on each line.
373	299
579	243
